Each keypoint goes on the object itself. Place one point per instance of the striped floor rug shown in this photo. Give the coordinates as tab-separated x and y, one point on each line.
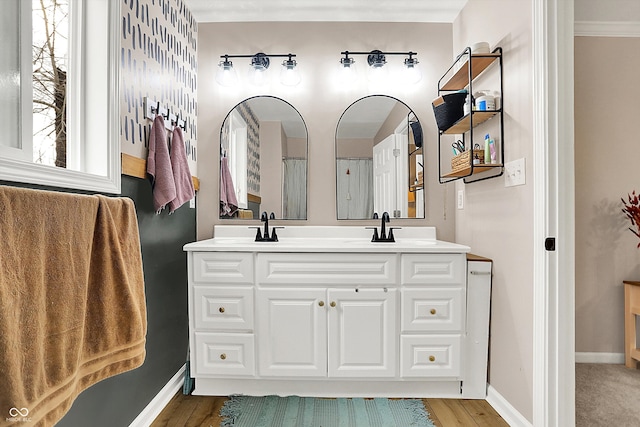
294	411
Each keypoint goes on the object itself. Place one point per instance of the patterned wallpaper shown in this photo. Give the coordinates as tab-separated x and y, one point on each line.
158	60
253	145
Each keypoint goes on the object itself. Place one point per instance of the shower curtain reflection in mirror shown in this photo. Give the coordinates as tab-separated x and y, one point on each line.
355	188
294	195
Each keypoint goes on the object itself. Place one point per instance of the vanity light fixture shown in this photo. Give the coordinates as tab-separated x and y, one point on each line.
258	74
377	60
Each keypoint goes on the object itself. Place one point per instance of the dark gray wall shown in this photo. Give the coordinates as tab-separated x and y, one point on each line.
116	401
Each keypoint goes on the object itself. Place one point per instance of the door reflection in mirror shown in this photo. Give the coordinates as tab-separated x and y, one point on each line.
264	141
379	160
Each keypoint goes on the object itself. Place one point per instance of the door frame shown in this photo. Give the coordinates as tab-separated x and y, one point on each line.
554	213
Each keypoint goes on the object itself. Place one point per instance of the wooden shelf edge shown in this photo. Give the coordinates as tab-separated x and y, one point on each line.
467	171
137	167
459	80
464	124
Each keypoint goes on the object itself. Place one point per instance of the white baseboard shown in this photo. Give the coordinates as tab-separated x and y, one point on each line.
612	358
504	408
157	404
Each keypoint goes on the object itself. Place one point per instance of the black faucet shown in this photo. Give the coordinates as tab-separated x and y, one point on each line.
383	237
265	237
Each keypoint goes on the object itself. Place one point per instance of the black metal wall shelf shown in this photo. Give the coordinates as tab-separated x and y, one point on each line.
460	76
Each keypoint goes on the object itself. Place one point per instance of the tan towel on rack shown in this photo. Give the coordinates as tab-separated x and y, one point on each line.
72	306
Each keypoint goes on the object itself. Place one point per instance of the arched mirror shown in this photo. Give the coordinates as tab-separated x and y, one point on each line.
379	160
263	160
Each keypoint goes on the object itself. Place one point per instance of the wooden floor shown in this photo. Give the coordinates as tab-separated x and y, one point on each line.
196	411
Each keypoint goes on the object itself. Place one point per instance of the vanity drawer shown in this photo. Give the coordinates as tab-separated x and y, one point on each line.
433	269
432	309
224	354
223	308
222	267
326	268
430	355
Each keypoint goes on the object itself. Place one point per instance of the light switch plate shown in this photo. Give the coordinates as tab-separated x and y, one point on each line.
514	173
460	199
192	203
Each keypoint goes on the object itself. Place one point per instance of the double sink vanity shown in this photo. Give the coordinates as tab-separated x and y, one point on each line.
326	312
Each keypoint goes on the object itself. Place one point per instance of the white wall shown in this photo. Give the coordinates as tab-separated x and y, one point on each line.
497	222
606	147
320	101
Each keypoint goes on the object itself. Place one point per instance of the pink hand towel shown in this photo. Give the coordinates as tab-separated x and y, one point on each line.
159	166
181	172
228	200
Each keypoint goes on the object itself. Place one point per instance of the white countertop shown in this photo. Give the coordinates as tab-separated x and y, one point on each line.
232	238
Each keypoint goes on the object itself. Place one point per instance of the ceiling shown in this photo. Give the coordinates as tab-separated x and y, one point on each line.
325	10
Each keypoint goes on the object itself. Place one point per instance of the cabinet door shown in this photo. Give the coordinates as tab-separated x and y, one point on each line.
362	332
292	332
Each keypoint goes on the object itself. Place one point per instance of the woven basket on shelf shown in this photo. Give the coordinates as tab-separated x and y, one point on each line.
461	161
448	109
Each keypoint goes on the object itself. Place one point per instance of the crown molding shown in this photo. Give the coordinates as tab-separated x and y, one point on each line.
607	28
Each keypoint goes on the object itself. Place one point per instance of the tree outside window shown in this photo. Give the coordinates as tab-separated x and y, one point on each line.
50	22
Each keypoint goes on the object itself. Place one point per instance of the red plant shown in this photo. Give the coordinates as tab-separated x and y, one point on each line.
632	211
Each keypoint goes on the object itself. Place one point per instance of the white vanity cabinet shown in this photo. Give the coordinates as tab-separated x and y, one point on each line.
326	315
326	332
314	318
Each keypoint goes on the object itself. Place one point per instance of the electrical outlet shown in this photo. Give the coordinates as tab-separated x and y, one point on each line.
514	173
460	199
192	203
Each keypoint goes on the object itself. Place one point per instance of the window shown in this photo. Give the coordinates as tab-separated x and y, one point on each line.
79	83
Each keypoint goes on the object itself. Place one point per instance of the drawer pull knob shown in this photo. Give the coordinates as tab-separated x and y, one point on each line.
321	303
221	309
433	311
223	356
332	304
432	358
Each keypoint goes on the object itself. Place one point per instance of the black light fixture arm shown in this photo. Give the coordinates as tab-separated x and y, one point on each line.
348	52
282	55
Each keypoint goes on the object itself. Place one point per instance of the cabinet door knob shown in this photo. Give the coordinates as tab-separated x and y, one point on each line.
221	309
223	356
432	358
332	304
433	311
321	303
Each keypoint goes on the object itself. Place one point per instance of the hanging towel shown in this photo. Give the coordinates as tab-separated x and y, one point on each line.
181	172
228	200
159	165
72	303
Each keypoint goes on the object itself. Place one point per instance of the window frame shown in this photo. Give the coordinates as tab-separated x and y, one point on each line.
94	111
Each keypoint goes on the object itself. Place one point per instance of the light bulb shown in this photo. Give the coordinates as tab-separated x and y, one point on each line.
377	71
411	73
289	75
258	76
258	71
348	73
226	74
378	74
